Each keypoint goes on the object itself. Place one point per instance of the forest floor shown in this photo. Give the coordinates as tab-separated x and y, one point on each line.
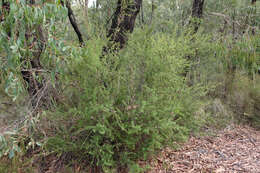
234	149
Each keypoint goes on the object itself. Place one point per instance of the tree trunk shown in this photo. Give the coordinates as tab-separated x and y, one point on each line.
73	21
197	13
123	22
253	3
97	5
142	13
86	15
34	62
30	75
152	13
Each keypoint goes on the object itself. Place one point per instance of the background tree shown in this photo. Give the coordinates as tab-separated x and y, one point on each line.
123	22
73	21
197	12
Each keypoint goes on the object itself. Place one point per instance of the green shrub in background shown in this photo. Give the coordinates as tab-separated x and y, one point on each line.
242	55
234	70
244	99
145	105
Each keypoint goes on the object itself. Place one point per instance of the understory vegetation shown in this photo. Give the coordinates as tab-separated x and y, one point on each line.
120	85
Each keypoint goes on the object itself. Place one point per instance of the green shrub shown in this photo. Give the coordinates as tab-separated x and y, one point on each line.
242	55
126	106
244	98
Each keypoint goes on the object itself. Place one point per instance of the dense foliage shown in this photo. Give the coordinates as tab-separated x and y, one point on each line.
108	109
145	105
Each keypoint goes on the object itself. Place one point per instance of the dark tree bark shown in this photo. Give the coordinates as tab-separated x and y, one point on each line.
152	13
123	22
38	45
30	75
142	12
97	4
197	13
197	8
73	21
253	3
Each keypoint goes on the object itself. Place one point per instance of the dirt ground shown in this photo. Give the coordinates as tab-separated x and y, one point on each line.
233	150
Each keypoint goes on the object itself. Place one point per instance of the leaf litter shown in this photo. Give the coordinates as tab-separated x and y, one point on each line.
234	150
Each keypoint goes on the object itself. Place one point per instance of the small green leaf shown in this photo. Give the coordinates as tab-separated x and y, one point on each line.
11	154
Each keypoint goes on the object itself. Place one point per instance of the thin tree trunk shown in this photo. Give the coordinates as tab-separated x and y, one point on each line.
97	5
37	46
123	22
86	15
73	21
253	2
233	26
109	11
29	75
152	13
142	13
197	13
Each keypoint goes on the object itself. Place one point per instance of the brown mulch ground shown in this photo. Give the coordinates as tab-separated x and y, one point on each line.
232	150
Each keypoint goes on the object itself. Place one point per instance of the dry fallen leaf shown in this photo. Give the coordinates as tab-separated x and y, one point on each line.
232	150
